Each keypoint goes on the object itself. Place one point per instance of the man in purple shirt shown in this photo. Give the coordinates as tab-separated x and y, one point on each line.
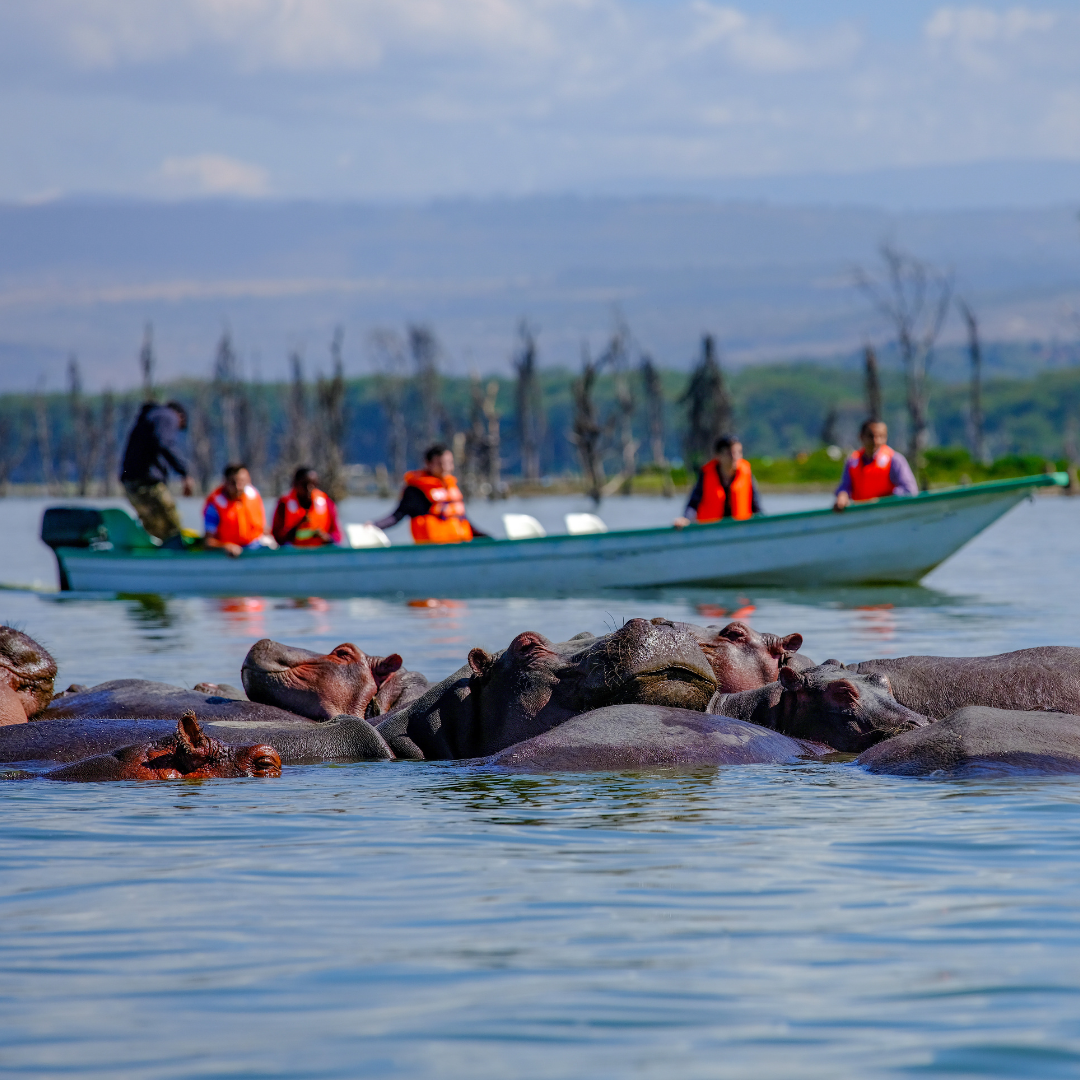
875	471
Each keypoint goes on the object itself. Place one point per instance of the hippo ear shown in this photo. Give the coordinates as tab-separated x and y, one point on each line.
791	643
382	667
842	694
480	661
790	679
188	731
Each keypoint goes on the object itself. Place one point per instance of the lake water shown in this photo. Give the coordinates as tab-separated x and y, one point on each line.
435	920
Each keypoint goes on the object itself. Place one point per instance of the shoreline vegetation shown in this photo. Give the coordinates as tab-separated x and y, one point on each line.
620	425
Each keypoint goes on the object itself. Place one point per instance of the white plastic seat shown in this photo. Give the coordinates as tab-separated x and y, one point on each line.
577	524
366	536
522	527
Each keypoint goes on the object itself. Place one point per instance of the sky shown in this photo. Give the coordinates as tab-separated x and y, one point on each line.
422	99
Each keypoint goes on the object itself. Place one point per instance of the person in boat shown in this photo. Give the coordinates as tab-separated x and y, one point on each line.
433	500
725	487
234	516
875	471
306	516
152	450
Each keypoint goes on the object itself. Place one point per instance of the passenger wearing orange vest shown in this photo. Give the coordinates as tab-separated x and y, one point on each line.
725	487
306	516
434	501
875	471
233	515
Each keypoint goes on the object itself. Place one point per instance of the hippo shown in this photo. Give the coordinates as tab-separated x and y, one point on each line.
980	742
27	673
297	741
742	658
1044	678
345	680
187	754
847	710
215	689
651	736
500	699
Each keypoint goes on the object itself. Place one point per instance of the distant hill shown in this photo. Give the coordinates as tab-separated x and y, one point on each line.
772	281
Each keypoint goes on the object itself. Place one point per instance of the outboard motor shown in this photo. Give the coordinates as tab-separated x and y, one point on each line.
73	527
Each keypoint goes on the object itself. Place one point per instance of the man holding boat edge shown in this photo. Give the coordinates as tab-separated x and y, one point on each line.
433	500
876	471
233	515
725	487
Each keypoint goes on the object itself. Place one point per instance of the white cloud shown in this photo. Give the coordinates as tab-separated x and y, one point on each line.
211	174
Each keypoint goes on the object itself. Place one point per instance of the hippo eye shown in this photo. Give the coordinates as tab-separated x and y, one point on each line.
343	654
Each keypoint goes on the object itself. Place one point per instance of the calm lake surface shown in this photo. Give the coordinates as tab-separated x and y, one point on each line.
434	920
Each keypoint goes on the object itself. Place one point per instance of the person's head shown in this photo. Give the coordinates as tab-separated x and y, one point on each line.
439	460
305	480
180	412
873	435
237	478
728	450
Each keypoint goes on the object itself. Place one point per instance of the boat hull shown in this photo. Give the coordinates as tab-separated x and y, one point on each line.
895	540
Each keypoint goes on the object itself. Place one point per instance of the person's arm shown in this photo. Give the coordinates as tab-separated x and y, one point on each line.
167	433
844	489
413	503
211	522
755	497
335	529
278	527
901	477
692	504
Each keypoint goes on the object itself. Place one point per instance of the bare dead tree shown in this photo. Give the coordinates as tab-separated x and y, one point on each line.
201	440
915	298
975	418
297	449
330	398
83	442
147	363
587	433
14	443
110	443
529	404
617	357
253	427
709	410
425	350
391	384
654	409
828	428
228	393
873	385
483	471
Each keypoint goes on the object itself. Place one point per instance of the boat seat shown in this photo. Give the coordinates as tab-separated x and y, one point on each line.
578	524
366	536
522	527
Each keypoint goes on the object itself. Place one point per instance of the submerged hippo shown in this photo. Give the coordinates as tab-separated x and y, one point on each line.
980	741
27	673
651	736
831	704
187	754
1043	678
319	686
345	738
744	659
535	685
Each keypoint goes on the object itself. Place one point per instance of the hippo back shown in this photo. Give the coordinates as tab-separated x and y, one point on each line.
1044	678
142	699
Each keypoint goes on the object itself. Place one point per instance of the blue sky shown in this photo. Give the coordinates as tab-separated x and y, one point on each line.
414	99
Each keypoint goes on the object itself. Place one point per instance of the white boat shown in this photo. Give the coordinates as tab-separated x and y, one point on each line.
890	540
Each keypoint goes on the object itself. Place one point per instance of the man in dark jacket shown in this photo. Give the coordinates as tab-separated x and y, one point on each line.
152	450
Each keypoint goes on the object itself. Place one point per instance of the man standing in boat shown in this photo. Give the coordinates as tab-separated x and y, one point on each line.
725	487
875	471
234	516
152	450
306	516
433	500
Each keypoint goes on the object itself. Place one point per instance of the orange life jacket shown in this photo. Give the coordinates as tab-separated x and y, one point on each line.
870	481
241	520
713	498
445	522
317	518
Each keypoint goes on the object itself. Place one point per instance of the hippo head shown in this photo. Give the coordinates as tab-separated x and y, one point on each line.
188	754
534	685
741	658
846	710
320	687
27	672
